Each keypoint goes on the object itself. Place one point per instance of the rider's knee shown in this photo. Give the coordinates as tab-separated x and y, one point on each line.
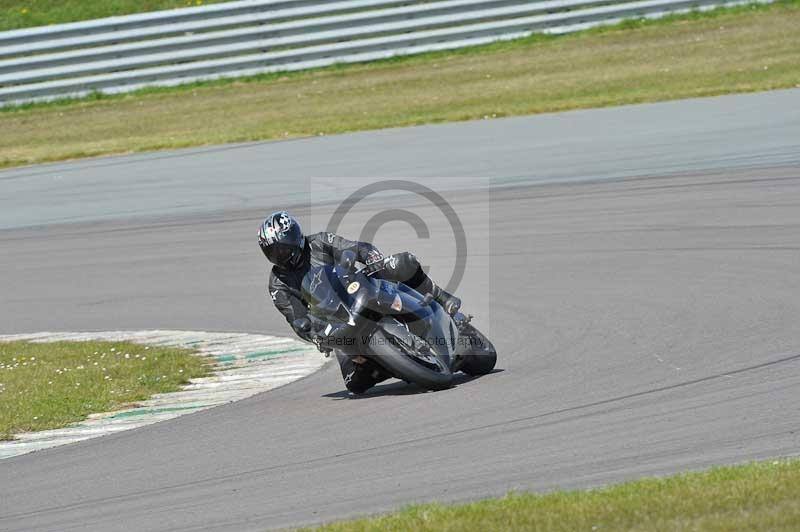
357	386
356	379
359	379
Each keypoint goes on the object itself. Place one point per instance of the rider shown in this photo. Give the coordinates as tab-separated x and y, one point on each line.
293	254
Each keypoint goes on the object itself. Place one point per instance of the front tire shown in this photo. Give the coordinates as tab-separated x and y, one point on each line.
391	356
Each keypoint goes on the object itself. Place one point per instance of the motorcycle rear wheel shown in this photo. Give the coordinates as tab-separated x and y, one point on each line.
481	359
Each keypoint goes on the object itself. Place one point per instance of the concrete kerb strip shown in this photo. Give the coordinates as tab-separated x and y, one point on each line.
246	364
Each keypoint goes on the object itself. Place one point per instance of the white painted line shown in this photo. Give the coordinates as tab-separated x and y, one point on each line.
246	364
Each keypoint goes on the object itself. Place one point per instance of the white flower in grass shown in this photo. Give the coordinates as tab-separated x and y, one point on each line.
35	418
146	348
113	349
49	382
144	358
127	355
96	363
33	358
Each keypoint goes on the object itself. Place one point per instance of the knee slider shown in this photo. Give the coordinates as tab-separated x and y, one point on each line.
358	388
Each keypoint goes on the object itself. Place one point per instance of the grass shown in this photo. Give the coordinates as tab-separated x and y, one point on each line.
738	50
16	14
759	496
50	385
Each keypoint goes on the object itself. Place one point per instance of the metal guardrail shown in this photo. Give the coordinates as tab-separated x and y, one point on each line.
242	38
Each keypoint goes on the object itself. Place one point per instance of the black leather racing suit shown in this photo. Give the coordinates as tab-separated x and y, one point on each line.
285	288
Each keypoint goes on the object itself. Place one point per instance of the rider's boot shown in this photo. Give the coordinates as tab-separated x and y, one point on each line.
449	302
359	373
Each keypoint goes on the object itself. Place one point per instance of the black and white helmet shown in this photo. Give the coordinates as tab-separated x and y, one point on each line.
282	241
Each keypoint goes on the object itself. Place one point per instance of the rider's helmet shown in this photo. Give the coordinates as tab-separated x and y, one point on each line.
282	241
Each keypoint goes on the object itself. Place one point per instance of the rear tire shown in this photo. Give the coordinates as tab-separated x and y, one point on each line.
402	366
481	358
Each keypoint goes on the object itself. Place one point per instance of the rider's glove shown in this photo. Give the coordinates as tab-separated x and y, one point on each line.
319	341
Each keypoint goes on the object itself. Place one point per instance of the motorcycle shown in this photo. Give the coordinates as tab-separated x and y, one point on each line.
407	333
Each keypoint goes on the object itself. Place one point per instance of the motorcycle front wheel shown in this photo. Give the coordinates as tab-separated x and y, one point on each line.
391	354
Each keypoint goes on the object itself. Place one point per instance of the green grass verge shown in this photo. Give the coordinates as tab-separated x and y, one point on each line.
702	54
16	14
759	497
50	385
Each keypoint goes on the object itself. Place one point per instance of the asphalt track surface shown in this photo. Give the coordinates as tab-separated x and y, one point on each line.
645	325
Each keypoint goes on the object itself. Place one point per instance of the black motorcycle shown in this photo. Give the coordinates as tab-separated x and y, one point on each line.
410	335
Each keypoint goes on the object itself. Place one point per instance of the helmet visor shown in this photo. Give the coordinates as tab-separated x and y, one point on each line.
283	254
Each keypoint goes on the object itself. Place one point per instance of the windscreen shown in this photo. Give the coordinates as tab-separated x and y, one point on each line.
324	289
